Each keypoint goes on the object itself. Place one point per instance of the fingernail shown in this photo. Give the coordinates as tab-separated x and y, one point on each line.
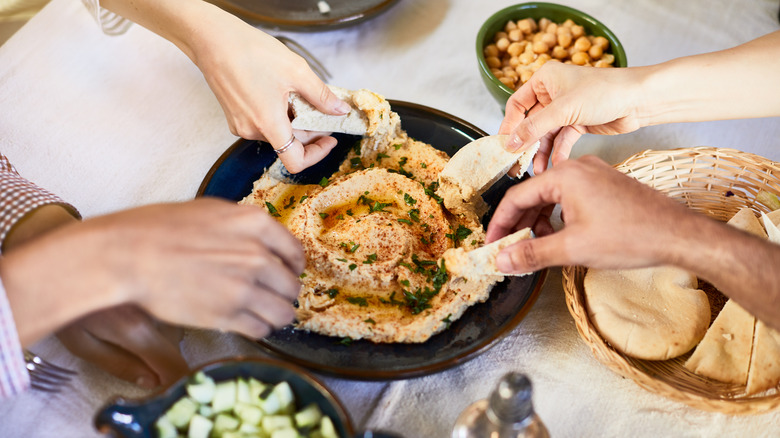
514	144
503	262
343	107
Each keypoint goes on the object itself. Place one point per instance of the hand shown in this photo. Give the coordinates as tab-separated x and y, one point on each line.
128	343
252	74
612	221
206	263
561	102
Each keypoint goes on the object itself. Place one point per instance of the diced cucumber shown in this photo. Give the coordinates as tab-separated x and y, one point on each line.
202	388
224	396
286	397
271	404
250	429
242	391
327	429
309	416
206	411
248	413
200	427
164	427
271	423
182	411
225	423
256	388
285	433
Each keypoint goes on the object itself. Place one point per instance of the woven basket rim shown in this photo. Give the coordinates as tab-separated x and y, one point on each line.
695	175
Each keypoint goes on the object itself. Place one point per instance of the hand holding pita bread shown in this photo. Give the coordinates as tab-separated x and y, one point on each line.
614	222
250	72
561	102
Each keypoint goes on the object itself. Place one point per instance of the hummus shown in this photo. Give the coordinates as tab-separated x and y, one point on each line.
374	234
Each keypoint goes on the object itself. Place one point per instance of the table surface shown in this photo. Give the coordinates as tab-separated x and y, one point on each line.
115	122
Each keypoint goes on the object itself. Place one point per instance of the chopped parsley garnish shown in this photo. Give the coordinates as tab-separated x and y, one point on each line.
460	234
304	275
431	192
370	259
398	146
405	283
356	147
352	267
424	241
360	301
423	165
324	181
415	214
447	321
271	209
290	202
356	162
342	260
324	215
473	242
349	213
345	342
340	217
332	292
302	198
380	155
409	200
404	221
350	247
379	206
369	321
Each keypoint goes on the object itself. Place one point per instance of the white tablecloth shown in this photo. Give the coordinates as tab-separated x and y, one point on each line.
115	122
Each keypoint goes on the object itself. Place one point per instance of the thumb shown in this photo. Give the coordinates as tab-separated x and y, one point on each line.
319	95
532	255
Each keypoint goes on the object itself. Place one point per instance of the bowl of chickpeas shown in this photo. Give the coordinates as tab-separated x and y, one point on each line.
518	40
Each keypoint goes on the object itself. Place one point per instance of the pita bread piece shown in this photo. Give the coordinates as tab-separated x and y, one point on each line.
481	262
651	313
746	220
369	114
765	361
724	353
477	166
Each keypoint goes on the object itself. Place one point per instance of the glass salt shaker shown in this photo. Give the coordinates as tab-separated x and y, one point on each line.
507	413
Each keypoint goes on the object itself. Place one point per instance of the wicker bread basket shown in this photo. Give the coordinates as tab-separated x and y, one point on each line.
715	182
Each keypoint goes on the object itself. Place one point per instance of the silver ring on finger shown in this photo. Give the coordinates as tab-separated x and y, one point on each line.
285	146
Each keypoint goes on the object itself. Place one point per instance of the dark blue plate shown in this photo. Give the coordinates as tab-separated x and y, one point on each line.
480	327
135	418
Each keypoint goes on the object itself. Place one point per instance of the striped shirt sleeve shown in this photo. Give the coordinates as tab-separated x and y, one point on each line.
17	198
111	23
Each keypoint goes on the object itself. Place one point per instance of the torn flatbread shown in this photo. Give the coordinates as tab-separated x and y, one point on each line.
481	262
370	114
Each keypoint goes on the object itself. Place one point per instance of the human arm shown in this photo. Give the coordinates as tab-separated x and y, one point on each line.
567	101
614	222
249	71
206	263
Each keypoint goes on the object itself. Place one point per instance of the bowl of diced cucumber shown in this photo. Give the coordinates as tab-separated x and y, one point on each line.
232	399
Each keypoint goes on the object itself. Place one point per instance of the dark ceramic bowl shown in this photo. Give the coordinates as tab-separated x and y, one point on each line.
537	10
135	418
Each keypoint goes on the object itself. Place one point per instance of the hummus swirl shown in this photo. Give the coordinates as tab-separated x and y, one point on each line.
374	236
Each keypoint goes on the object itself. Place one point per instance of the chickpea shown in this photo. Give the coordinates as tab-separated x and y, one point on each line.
491	50
502	44
559	52
526	26
493	62
568	23
608	58
543	58
515	35
580	58
544	22
551	28
537	37
525	76
564	40
499	35
514	61
595	52
581	45
550	39
515	49
540	47
526	58
497	72
577	31
509	82
601	42
510	25
602	64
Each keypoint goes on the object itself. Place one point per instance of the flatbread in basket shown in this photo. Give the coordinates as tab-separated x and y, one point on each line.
715	182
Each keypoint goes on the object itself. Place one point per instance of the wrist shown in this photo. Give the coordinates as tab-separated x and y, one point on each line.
37	222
